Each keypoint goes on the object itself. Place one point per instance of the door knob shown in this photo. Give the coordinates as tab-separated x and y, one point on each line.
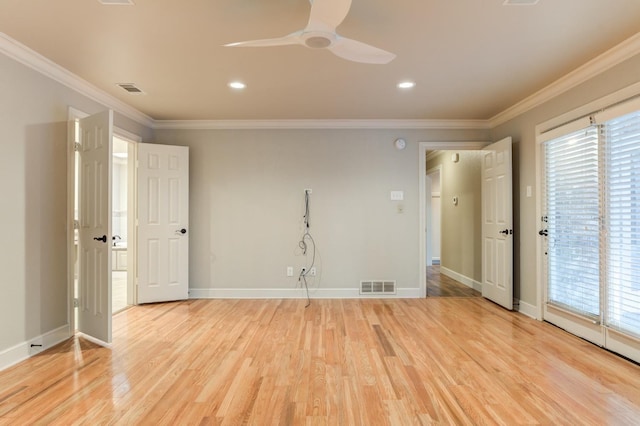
543	232
507	231
103	238
181	231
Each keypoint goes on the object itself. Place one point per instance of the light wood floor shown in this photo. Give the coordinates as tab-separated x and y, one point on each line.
440	285
341	362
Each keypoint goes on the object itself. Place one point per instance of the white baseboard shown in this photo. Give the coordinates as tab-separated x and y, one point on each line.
469	282
296	293
528	310
94	340
24	350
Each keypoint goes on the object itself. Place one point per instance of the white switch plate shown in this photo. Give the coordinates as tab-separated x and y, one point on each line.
529	191
289	271
397	195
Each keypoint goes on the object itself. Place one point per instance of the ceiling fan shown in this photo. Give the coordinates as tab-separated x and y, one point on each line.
320	33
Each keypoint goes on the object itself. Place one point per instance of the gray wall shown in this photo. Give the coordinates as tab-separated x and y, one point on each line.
461	225
247	204
33	189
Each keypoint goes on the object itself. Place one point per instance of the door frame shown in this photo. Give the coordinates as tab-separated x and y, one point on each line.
423	147
73	115
132	196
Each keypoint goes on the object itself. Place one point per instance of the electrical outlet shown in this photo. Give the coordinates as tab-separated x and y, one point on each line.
312	271
289	271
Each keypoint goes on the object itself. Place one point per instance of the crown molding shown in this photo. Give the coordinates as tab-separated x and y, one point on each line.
32	59
612	57
319	124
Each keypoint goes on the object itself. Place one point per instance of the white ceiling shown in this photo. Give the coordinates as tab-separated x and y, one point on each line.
471	59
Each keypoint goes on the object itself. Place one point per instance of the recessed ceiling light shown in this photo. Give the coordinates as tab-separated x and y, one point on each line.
406	85
237	85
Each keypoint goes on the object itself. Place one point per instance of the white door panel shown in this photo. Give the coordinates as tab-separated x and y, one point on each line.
163	222
94	311
497	227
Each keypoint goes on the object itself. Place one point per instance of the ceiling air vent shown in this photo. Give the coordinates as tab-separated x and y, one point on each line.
377	287
131	88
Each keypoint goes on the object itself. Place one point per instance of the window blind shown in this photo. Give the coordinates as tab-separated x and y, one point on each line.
573	215
622	137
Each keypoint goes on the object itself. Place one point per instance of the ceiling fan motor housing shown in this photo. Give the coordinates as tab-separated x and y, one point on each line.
318	40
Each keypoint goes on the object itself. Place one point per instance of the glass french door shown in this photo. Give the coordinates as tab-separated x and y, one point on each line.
591	229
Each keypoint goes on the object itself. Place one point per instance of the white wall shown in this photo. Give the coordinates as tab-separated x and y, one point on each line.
247	206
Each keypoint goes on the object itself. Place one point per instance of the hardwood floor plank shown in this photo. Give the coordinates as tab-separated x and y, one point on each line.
338	362
440	285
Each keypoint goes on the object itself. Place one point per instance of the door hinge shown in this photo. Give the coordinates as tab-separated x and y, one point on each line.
76	224
76	303
77	146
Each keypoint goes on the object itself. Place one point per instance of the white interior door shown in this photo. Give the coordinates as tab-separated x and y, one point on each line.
497	224
94	233
163	223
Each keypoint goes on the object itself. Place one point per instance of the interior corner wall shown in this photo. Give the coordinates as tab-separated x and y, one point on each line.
33	189
247	205
522	129
461	224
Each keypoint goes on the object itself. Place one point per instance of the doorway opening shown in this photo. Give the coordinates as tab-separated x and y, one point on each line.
429	246
454	254
433	187
121	225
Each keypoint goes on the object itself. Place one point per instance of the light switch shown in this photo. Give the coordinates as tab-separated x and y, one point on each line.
529	191
397	195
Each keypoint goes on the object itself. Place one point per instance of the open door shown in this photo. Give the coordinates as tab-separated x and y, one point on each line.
94	232
497	224
163	223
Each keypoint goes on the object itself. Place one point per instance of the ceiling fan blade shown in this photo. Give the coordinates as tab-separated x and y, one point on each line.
293	38
356	51
326	15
